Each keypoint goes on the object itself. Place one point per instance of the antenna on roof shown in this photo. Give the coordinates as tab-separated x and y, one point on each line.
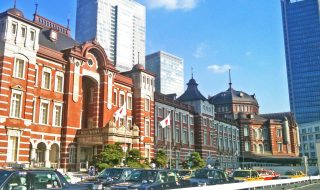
36	11
15	4
68	26
230	83
192	72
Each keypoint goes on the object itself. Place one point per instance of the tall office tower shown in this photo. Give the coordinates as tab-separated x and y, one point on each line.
301	25
169	71
119	27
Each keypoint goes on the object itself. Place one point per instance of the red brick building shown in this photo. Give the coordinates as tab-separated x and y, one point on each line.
58	97
264	138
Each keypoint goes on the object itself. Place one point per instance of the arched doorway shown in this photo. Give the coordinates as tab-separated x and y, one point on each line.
54	156
40	158
89	102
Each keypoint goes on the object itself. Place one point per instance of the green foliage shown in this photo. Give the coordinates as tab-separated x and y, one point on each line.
111	156
194	161
160	159
135	160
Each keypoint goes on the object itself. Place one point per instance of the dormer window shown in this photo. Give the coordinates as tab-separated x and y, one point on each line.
241	94
53	35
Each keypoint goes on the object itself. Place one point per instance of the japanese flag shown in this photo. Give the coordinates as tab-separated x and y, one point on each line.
165	122
121	112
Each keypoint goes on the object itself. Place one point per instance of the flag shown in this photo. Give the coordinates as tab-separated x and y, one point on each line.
121	112
165	122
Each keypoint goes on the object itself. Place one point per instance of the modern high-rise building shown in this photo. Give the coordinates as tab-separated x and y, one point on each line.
169	72
301	25
118	25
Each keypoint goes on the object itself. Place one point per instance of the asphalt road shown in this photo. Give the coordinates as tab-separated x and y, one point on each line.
298	186
315	186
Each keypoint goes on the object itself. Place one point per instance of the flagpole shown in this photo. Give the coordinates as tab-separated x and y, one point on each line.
170	134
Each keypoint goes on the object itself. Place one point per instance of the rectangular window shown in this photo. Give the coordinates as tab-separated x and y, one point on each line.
121	100
211	139
246	146
177	136
72	155
184	118
191	120
115	99
23	32
59	82
14	28
192	137
57	117
32	35
246	131
147	128
15	110
147	104
12	152
18	70
121	122
44	112
46	78
160	112
205	137
279	133
177	118
279	147
129	123
129	103
185	136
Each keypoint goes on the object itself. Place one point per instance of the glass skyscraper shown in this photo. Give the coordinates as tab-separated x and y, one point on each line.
119	27
169	72
301	25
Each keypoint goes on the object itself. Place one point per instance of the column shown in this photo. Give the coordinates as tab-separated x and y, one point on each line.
33	157
46	158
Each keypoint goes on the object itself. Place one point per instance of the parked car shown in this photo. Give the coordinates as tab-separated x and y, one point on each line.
293	174
150	179
30	179
268	174
110	176
206	176
246	175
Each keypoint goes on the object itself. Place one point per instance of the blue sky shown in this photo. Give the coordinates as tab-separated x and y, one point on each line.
211	36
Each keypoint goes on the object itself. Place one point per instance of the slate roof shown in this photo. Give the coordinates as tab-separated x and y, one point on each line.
278	116
192	93
63	41
231	95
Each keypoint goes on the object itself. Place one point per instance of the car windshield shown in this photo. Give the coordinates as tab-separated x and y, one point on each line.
111	173
201	174
241	174
140	175
4	175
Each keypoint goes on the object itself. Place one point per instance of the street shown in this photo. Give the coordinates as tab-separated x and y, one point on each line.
300	186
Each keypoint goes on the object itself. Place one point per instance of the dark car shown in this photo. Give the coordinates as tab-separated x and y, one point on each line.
150	179
110	176
31	179
206	176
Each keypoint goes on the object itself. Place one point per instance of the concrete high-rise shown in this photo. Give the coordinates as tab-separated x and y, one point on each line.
169	72
301	26
118	25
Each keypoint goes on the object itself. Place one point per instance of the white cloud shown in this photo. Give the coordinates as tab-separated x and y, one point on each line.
199	52
219	68
172	4
248	53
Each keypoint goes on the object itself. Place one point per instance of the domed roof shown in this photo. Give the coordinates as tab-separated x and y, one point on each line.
138	67
192	93
16	12
231	96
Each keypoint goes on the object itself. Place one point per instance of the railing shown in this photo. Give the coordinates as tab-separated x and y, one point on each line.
254	184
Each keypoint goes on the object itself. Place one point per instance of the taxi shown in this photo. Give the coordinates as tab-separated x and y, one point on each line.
294	174
246	175
268	174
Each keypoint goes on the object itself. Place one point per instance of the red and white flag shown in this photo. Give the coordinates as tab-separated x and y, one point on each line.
166	122
121	112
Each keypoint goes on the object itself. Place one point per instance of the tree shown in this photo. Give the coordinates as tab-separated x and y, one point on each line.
111	156
194	161
161	159
135	160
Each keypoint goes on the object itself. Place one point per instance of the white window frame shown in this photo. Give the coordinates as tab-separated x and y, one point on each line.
43	101
246	146
192	137
34	35
59	74
15	24
147	101
147	130
16	70
246	131
46	70
129	120
129	103
54	116
11	103
115	98
122	94
25	32
16	134
36	75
